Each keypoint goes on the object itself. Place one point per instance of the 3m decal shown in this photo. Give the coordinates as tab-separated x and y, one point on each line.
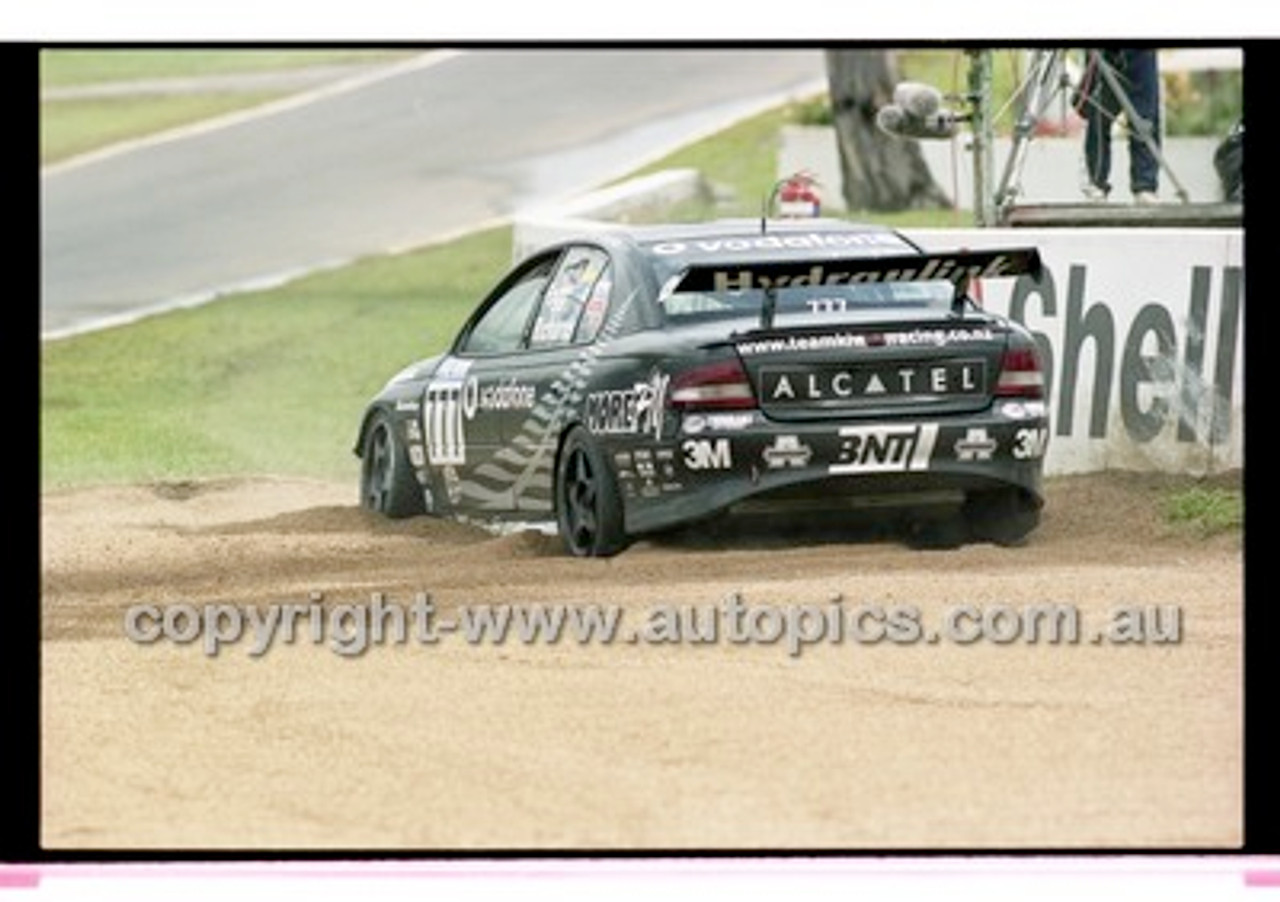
786	451
1030	444
707	454
885	449
975	445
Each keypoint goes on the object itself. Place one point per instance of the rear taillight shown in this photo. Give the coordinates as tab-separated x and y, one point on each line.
1020	372
713	386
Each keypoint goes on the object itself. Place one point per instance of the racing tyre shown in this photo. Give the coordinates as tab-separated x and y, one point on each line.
588	505
1002	516
387	483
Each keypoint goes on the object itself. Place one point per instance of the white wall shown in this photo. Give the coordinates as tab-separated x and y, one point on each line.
1145	331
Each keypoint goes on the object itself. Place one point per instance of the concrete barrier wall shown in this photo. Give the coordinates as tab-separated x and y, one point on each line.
1142	335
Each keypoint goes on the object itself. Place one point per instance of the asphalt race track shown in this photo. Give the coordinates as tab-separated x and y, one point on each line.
414	152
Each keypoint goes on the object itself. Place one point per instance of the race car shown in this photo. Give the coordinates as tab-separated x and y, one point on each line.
639	379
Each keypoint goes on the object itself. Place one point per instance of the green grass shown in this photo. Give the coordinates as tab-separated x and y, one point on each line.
67	68
270	382
69	127
1208	511
75	127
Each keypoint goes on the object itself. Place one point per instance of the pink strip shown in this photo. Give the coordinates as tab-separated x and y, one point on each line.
1262	878
19	878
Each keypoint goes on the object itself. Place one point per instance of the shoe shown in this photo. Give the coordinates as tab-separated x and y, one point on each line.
1094	193
1145	198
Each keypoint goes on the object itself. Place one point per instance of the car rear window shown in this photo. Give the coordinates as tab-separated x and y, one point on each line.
810	303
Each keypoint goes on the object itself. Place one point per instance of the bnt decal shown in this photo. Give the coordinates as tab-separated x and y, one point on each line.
885	449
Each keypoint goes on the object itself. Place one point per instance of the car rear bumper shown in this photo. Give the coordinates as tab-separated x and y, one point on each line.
716	462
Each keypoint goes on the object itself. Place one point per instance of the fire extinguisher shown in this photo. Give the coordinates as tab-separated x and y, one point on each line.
798	196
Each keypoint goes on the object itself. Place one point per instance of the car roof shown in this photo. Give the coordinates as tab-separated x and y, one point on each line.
671	247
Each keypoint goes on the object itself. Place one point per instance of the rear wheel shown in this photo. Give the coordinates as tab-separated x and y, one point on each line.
387	484
588	504
1003	516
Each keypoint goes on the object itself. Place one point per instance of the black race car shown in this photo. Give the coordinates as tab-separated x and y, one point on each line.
639	379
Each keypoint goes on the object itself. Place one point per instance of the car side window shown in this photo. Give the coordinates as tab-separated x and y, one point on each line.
501	329
595	309
574	304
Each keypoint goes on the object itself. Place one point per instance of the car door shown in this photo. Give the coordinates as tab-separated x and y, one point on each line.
465	400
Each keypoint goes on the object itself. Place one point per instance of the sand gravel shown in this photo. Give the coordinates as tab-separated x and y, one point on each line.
452	746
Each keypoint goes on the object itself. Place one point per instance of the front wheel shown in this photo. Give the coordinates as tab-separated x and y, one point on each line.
588	504
387	485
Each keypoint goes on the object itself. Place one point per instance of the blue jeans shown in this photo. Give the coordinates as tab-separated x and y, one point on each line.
1138	73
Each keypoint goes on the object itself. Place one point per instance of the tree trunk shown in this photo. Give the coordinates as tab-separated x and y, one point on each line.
880	172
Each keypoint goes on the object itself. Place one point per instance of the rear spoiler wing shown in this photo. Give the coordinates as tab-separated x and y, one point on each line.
957	267
960	268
